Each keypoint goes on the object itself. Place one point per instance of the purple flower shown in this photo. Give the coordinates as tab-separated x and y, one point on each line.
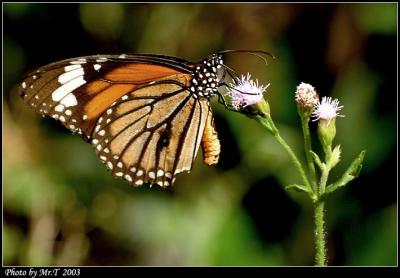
245	92
327	109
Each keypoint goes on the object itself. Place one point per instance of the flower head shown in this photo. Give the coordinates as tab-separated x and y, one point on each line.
306	95
327	109
245	92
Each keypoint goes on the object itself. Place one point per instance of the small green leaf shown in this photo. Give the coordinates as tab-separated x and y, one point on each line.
350	174
335	157
317	160
298	187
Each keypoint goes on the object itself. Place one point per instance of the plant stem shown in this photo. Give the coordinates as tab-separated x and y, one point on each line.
320	250
294	160
320	241
324	179
269	124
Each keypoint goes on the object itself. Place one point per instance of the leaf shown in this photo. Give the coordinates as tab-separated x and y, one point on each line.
335	157
317	160
350	174
298	187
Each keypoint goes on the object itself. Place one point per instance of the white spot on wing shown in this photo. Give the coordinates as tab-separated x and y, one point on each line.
139	182
97	67
79	61
70	75
67	88
69	100
59	108
160	173
128	178
72	67
101	59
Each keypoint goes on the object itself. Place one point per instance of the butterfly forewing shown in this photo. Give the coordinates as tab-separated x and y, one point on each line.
77	91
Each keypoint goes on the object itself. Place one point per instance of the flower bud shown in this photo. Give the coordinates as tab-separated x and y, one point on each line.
306	96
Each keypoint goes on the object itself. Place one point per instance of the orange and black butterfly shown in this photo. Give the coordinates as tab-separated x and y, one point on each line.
146	115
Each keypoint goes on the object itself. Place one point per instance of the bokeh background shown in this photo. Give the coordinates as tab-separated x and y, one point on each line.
61	206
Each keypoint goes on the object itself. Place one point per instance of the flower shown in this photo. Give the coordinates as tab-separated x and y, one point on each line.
325	113
306	96
245	92
327	109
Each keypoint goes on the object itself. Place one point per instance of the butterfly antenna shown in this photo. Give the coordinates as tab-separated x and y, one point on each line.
251	52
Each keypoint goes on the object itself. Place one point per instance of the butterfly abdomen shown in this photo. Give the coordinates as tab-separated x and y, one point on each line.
210	142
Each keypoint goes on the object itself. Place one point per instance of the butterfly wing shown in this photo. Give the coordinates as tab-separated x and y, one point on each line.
136	111
77	91
153	133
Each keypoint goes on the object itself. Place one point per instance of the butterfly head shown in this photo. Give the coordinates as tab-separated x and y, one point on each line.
207	75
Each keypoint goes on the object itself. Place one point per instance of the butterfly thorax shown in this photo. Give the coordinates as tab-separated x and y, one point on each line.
205	78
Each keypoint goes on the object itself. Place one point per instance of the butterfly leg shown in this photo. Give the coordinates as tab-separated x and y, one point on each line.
246	111
227	106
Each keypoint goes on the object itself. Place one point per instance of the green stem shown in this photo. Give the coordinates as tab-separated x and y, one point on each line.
294	160
320	250
307	149
269	124
324	180
320	241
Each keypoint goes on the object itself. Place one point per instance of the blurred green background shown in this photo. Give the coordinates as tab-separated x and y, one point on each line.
61	206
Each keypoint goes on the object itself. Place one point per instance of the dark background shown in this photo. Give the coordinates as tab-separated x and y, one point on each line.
61	206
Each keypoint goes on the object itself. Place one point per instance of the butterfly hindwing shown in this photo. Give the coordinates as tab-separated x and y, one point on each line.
153	133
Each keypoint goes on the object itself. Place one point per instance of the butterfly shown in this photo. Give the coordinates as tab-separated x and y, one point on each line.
145	114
